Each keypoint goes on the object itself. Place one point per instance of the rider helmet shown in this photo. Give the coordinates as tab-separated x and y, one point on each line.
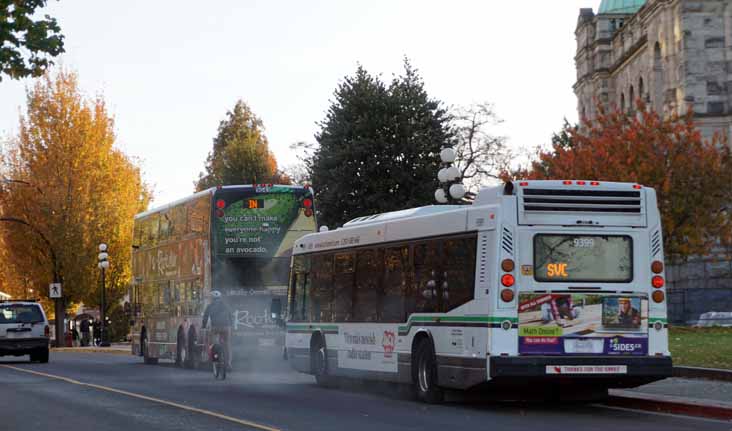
215	294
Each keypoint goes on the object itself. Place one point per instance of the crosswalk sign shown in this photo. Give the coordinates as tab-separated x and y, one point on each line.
54	290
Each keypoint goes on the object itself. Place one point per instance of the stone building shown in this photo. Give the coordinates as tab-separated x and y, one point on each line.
673	54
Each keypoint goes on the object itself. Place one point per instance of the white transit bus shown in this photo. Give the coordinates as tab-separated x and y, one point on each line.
558	282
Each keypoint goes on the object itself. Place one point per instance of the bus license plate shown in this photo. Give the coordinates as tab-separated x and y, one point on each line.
587	369
583	345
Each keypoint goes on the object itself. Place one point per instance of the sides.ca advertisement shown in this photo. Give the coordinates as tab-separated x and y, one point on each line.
560	324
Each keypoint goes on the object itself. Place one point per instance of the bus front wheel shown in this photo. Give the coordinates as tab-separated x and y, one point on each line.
319	363
424	376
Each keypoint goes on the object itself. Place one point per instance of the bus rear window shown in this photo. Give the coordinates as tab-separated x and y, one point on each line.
583	258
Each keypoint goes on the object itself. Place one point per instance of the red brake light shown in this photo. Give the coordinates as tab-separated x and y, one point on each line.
46	331
220	204
307	203
637	186
308	212
508	280
657	281
567	183
524	183
594	183
581	183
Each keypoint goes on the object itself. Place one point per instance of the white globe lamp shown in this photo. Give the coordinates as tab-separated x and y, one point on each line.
447	155
453	173
442	175
457	191
440	196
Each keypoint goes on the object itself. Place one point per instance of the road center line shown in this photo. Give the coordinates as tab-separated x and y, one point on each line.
147	398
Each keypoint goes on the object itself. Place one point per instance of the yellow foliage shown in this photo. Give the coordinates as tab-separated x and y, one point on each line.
71	189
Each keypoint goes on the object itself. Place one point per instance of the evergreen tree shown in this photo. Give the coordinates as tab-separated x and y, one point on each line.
378	147
240	152
27	41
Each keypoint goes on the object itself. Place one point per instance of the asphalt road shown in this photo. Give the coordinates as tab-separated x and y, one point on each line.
80	391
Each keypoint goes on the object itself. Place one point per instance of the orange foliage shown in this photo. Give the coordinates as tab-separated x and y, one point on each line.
693	177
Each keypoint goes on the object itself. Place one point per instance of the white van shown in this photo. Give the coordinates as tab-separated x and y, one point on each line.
24	330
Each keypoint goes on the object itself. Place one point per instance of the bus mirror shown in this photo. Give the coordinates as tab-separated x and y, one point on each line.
276	308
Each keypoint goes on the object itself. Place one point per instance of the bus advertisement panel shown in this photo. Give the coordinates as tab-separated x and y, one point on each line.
579	324
253	234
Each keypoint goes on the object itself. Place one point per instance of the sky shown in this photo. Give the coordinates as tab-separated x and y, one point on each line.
169	70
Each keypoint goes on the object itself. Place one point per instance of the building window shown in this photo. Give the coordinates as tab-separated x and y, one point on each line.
622	102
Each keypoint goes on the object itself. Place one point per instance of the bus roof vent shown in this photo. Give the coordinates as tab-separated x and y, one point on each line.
551	202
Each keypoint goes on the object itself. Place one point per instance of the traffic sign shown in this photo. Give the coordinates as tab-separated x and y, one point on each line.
54	290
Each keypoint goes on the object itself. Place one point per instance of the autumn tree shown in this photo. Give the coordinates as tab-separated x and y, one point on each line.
27	42
240	153
481	155
691	176
67	189
378	147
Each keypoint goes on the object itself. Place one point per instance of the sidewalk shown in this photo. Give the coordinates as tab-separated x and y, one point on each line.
115	348
696	397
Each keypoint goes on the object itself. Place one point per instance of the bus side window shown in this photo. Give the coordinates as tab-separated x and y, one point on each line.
368	293
428	279
396	302
459	283
343	281
321	280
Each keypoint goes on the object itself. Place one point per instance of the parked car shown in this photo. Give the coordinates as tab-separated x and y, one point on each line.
24	330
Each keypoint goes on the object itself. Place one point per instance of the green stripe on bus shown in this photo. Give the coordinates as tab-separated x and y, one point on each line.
455	319
657	319
312	327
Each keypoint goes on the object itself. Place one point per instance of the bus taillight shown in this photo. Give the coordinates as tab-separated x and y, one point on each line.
657	267
657	281
658	296
220	204
508	280
507	265
307	203
308	212
219	213
507	295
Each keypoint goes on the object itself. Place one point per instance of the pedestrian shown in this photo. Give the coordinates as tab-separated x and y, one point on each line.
85	332
97	327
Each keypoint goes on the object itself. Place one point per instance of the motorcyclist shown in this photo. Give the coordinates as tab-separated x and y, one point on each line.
221	321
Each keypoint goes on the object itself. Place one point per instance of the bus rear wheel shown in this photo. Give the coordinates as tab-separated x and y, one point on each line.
180	349
424	374
144	347
191	354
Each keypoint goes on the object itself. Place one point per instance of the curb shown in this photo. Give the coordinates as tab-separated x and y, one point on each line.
110	350
668	404
703	373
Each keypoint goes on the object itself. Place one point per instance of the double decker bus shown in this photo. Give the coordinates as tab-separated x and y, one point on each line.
559	283
234	239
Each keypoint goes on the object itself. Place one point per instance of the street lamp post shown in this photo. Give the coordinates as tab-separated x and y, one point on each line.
451	188
103	265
